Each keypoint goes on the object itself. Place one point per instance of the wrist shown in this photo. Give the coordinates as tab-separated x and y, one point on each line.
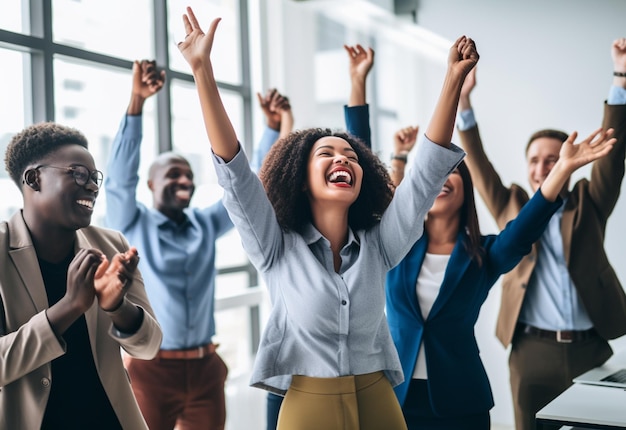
400	156
619	74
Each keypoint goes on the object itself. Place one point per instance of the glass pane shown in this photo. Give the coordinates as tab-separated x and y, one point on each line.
119	28
189	139
226	50
14	91
94	100
15	16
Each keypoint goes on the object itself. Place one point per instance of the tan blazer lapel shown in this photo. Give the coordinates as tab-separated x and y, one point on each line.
22	253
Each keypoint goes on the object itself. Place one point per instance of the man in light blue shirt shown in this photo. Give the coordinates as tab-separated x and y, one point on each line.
563	302
184	384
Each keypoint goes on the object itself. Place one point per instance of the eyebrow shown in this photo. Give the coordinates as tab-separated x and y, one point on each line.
345	149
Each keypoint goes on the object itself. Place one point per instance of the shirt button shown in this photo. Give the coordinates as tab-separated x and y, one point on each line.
45	382
343	302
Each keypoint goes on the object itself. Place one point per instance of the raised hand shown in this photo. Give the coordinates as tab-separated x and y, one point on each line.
361	61
463	56
404	139
112	279
596	145
273	105
196	48
147	79
573	156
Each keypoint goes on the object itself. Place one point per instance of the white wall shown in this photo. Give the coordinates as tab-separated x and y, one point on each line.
543	64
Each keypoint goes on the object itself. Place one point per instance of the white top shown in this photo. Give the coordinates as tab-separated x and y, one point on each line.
427	288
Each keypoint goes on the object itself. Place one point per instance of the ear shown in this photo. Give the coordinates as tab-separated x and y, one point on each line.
31	178
150	185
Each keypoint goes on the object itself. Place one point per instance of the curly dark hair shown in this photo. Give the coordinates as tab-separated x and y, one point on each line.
284	176
34	143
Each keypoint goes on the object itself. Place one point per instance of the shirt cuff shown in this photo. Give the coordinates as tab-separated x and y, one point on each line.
617	96
465	120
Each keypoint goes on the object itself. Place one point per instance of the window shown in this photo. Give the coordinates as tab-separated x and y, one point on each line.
70	61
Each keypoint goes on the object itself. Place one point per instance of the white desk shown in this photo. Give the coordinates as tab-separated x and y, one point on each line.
587	406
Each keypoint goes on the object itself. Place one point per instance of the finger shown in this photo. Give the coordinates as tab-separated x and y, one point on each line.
193	21
349	50
187	25
260	98
101	268
458	44
572	137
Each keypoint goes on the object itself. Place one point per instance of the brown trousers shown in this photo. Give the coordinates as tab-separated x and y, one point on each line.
188	394
362	402
541	369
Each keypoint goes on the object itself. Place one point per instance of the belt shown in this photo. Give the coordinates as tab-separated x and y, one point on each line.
561	336
187	354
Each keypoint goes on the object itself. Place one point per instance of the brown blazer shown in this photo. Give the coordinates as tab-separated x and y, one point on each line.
28	344
583	228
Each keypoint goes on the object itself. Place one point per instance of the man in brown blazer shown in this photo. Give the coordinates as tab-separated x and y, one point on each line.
70	295
563	301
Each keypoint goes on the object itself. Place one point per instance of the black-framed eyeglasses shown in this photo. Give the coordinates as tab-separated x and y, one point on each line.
80	173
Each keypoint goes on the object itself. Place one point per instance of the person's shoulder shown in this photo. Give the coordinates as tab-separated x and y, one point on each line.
103	237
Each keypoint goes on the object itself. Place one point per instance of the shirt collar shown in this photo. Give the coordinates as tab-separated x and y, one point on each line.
311	235
163	221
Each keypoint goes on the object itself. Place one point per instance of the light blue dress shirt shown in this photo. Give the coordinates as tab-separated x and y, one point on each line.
177	261
324	323
551	301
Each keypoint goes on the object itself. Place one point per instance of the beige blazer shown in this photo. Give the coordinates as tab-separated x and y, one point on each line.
583	226
28	344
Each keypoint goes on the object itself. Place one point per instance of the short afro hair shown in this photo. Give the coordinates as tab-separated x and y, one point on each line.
36	142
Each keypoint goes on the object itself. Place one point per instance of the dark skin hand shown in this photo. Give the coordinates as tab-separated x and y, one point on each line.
90	275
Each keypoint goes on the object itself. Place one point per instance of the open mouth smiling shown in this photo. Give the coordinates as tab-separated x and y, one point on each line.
341	177
86	203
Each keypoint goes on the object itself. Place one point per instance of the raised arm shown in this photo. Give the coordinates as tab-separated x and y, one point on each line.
147	81
403	141
461	59
356	112
361	62
573	156
196	48
124	158
607	173
279	123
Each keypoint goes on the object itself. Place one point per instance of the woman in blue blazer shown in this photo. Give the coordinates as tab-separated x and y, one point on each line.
435	294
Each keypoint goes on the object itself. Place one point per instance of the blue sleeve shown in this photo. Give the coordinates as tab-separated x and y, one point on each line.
465	119
270	136
518	236
121	180
617	96
358	122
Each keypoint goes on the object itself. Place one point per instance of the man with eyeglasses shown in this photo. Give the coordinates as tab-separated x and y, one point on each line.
184	385
70	295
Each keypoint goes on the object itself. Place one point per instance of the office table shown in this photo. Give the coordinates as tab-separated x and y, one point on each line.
586	406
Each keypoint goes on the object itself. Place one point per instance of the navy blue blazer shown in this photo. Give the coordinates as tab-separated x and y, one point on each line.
457	381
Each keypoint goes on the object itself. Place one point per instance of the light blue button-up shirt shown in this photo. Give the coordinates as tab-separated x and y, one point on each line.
324	323
177	261
551	301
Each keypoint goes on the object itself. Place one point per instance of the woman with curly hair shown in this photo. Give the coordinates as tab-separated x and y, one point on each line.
323	229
